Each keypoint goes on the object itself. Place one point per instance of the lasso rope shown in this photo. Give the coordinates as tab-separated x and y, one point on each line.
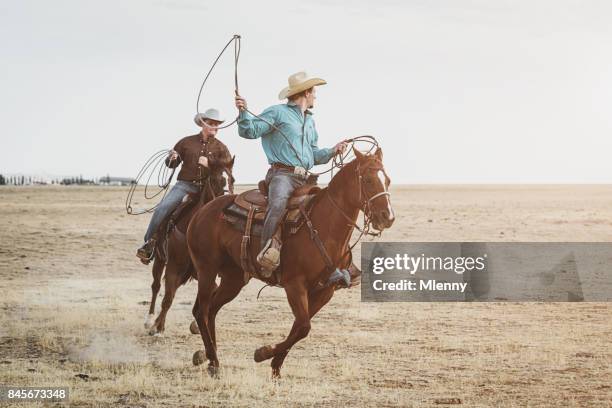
236	40
154	166
338	160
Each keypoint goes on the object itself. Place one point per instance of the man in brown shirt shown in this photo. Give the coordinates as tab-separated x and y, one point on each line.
197	154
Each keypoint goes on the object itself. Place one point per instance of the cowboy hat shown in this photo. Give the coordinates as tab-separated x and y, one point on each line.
210	114
299	82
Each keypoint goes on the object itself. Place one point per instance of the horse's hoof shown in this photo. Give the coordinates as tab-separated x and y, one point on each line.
154	332
213	371
276	374
198	358
193	328
149	321
263	353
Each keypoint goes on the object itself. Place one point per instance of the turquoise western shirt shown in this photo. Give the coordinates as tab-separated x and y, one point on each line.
299	130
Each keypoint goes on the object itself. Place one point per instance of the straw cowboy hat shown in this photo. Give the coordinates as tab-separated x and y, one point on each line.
299	82
210	114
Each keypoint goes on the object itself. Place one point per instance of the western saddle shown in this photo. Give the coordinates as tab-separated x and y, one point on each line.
247	213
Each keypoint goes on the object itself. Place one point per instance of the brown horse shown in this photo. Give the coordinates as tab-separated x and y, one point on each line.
171	252
214	245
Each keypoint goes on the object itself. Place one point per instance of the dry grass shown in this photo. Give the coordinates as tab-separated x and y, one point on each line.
73	296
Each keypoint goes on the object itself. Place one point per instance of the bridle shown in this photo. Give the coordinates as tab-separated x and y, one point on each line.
207	187
365	203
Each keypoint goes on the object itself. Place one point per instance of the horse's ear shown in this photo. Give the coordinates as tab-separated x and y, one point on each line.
358	154
379	154
231	163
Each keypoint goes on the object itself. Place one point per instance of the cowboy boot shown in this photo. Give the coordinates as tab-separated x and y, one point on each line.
269	257
340	277
146	252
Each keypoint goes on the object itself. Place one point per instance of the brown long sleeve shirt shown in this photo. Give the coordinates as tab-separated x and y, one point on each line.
190	149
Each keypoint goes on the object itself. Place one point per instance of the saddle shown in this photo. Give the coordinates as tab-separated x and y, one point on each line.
247	213
256	202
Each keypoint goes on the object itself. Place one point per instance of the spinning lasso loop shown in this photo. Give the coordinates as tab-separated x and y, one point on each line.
236	40
154	166
338	160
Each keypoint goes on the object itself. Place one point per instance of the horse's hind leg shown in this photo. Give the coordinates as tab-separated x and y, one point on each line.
157	271
316	301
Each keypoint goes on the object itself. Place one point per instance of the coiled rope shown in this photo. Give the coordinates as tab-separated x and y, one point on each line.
154	166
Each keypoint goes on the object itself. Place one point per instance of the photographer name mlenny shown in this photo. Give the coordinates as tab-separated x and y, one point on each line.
422	285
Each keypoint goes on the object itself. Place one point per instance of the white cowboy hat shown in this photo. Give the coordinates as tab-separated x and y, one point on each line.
211	114
299	82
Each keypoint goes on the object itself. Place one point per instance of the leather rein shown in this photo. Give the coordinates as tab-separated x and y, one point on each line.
365	205
367	212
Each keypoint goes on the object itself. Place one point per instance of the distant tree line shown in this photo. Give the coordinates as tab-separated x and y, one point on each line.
66	181
17	180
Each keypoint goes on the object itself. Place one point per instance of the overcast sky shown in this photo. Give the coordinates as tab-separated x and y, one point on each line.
456	91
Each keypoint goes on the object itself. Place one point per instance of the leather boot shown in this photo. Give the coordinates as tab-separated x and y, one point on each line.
146	252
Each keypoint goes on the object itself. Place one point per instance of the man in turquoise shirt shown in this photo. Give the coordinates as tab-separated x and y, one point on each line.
290	142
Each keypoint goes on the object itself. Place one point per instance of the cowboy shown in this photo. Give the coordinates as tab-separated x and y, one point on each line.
290	142
197	153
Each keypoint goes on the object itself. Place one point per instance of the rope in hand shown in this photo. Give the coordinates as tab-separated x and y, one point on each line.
236	40
155	165
338	160
156	159
156	162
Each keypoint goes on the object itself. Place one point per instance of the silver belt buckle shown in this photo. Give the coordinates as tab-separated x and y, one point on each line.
300	171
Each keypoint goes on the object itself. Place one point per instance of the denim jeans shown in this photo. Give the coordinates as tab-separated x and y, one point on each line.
281	184
168	204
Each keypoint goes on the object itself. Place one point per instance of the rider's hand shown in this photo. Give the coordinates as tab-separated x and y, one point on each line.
340	147
173	155
241	103
203	161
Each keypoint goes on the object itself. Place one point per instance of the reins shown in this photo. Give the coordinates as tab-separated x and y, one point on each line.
364	208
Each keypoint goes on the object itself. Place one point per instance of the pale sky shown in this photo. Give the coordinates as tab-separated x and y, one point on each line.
456	91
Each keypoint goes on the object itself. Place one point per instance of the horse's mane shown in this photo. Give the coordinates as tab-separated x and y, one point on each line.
321	193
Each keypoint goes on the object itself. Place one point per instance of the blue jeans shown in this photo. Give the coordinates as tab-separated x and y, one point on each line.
281	184
168	204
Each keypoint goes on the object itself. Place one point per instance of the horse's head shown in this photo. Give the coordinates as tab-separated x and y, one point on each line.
222	177
367	188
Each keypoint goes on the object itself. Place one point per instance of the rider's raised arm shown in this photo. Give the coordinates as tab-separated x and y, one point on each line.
321	155
251	127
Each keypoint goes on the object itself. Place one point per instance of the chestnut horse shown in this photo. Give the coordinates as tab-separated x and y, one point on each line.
171	251
214	246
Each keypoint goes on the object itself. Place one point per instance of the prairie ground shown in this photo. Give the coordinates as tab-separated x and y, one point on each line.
74	297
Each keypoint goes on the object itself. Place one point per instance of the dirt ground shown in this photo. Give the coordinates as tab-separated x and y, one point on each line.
74	298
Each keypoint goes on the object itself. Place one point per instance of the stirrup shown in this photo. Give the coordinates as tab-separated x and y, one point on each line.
146	252
342	277
268	259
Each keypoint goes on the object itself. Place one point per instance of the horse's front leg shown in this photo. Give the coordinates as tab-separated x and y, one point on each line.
316	300
297	295
157	271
